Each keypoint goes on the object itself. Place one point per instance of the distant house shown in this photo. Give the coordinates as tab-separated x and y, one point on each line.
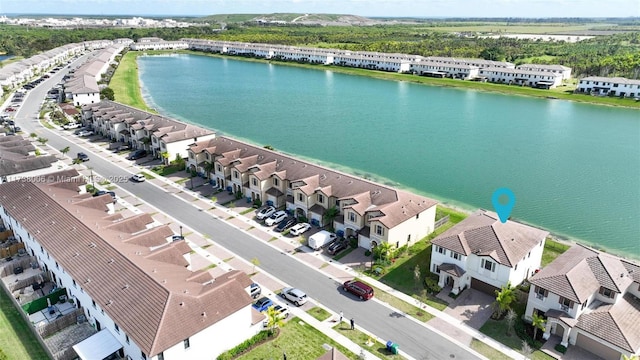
18	160
482	253
590	300
614	86
562	70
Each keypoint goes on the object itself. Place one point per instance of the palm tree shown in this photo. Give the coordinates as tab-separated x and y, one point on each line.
417	275
383	250
538	322
510	318
526	350
330	215
165	157
42	140
504	298
65	150
274	320
208	168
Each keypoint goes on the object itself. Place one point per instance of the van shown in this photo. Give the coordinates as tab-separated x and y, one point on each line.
321	239
359	289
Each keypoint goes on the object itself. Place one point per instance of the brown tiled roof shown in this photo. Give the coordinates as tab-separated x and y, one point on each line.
483	234
580	272
452	269
94	250
618	323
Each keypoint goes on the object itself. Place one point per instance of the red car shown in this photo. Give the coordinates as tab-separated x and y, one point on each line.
359	289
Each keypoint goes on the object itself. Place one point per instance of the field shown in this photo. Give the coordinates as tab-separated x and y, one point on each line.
16	339
517	28
125	83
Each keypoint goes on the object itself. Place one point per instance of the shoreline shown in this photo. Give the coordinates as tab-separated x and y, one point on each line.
451	204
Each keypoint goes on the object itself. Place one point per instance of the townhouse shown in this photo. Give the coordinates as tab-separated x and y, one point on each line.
441	70
612	86
480	63
370	212
132	281
482	253
555	69
141	130
536	79
18	160
589	299
157	44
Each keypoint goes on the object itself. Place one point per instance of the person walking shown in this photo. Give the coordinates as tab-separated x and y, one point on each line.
353	324
341	316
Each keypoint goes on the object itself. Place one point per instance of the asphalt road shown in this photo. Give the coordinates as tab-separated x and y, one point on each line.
414	339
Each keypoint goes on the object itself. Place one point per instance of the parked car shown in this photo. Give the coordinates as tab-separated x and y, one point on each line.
138	178
104	192
275	218
255	290
78	131
122	148
82	157
321	239
138	154
282	312
265	212
294	295
263	304
286	223
299	229
338	246
359	289
70	126
85	133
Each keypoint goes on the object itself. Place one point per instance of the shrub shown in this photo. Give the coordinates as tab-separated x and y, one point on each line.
367	253
560	348
257	203
244	346
431	284
353	242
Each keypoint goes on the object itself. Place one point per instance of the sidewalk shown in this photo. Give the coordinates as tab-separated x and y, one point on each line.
337	272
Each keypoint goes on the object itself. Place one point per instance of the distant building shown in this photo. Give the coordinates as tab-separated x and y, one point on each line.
612	86
18	160
556	69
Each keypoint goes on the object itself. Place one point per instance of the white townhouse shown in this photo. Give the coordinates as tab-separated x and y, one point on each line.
133	282
82	90
370	212
159	44
536	79
589	299
439	69
480	63
553	68
483	253
613	86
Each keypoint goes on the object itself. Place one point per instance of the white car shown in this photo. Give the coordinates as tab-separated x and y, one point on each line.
275	218
299	229
282	312
265	212
138	178
294	295
70	126
85	133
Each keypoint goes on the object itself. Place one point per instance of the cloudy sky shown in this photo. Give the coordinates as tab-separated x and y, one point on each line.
414	8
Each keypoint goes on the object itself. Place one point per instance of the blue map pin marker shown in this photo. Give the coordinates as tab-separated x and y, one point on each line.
503	210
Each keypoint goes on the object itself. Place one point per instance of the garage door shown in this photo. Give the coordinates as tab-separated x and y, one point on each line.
597	348
483	286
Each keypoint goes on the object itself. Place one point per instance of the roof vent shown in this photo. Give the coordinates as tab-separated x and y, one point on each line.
181	303
111	261
125	287
92	245
204	314
186	291
109	302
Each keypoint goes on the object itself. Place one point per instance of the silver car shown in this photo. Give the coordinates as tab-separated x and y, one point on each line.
294	295
265	212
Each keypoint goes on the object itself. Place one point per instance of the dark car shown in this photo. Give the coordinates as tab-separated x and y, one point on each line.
256	290
104	192
338	246
359	289
138	154
263	304
286	223
82	157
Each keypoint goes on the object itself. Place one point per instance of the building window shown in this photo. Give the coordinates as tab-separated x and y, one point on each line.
320	198
115	326
161	356
235	174
74	284
144	356
191	155
352	216
541	293
436	269
126	338
455	255
208	156
417	216
379	230
254	181
219	167
606	292
565	304
488	265
186	343
300	198
275	182
440	249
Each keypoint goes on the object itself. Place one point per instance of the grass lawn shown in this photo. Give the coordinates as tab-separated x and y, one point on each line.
147	175
319	313
497	329
125	83
164	170
344	253
552	249
378	349
487	350
401	305
16	339
299	340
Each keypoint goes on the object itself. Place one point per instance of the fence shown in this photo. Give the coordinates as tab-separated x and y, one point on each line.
41	303
10	249
21	284
441	222
66	354
47	329
24	262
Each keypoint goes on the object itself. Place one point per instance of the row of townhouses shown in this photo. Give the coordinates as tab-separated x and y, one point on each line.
132	280
540	76
588	298
608	86
18	159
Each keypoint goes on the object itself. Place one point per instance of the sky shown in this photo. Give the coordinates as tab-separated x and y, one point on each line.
395	8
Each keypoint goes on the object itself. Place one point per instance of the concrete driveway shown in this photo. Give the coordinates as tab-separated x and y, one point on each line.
472	307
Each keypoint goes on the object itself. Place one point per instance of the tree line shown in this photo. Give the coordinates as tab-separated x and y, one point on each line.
610	55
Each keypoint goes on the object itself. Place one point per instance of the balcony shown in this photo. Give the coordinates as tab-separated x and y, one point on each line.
540	297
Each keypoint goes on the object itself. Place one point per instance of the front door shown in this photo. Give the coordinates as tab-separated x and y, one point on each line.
98	327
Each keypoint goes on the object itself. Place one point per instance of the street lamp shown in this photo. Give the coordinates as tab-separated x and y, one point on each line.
181	232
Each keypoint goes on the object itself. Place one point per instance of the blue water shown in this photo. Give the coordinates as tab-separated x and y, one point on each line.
574	168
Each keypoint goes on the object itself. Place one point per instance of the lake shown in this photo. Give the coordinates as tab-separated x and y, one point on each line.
574	168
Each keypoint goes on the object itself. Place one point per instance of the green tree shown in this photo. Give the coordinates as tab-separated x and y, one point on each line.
255	263
269	147
510	318
42	140
417	275
329	216
494	53
383	251
504	298
165	157
538	322
107	93
208	168
526	350
33	135
274	320
65	150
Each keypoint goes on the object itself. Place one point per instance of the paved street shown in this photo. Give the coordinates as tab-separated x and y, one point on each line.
414	339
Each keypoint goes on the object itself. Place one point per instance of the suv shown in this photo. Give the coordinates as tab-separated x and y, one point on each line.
275	218
338	246
265	212
138	154
358	288
104	192
83	157
286	223
294	295
255	290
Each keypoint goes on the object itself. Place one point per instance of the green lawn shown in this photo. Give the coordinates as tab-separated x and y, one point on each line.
16	339
319	313
165	170
125	83
401	305
378	349
488	351
552	249
497	329
299	340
